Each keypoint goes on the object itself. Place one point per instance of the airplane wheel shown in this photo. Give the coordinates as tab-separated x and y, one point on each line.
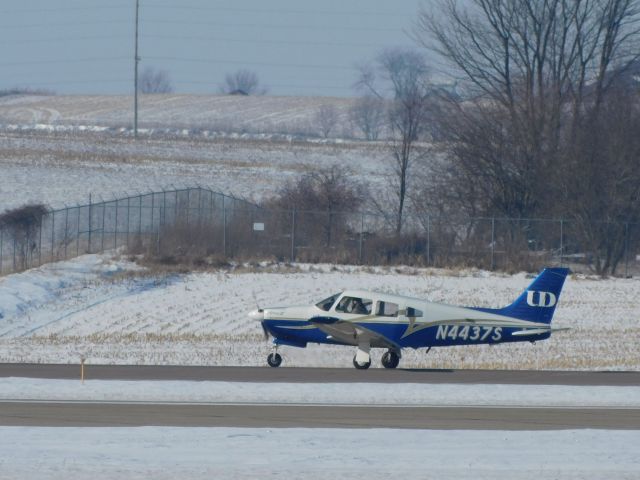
390	359
361	366
274	360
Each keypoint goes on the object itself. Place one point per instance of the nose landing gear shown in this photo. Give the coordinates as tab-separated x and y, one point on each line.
274	359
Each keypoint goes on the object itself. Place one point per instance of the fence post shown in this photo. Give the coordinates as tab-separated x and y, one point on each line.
626	250
90	224
115	230
428	240
153	205
139	216
361	237
164	208
66	231
188	205
40	243
104	212
78	234
199	207
1	247
53	232
14	252
293	235
493	242
561	241
128	218
175	208
224	226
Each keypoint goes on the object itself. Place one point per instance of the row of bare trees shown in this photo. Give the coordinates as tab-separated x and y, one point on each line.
549	122
544	119
241	82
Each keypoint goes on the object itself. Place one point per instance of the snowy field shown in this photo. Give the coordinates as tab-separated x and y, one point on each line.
99	307
248	453
215	113
61	170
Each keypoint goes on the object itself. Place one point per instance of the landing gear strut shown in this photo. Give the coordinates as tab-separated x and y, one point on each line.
390	359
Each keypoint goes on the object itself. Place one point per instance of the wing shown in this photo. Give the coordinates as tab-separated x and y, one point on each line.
352	333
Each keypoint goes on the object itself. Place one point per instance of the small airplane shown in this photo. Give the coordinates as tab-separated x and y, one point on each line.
367	319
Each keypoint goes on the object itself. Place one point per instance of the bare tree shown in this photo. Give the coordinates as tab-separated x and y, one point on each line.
155	81
324	194
403	74
326	118
23	224
242	82
368	115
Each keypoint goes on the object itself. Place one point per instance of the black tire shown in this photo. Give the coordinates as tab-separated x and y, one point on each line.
274	360
361	366
390	359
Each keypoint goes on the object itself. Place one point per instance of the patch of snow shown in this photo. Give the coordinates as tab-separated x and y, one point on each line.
65	453
325	393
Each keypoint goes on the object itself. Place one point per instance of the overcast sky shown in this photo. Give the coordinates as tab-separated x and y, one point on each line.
297	47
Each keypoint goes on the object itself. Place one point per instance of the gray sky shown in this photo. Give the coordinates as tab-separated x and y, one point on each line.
297	47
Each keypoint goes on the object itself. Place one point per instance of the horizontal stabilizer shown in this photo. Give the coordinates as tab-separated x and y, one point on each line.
536	331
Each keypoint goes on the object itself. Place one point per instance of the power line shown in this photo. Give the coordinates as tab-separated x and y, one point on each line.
238	62
65	9
262	41
270	26
63	24
65	39
279	11
68	60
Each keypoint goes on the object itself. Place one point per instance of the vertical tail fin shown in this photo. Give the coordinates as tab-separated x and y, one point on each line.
538	302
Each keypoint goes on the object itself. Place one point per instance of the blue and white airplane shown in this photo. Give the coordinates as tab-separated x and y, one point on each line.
368	320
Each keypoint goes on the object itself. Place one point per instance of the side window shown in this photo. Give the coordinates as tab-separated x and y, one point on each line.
387	309
413	312
356	305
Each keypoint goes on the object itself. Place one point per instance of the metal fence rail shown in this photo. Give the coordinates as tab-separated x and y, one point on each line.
208	223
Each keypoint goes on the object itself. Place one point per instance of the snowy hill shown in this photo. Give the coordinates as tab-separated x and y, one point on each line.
219	113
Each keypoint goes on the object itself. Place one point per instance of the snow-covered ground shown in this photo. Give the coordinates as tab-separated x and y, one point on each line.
231	113
373	394
98	307
61	170
248	453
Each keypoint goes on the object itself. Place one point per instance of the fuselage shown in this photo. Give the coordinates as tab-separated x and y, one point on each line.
393	320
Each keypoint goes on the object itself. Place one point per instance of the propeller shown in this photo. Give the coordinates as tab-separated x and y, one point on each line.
258	314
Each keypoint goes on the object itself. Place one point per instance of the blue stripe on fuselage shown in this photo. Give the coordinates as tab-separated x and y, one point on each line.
435	336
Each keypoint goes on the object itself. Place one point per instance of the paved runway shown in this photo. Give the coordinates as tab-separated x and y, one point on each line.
321	375
69	414
48	413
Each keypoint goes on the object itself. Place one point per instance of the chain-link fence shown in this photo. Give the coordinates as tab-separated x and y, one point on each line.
200	224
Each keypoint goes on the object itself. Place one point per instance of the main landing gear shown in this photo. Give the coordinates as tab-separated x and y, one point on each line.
390	359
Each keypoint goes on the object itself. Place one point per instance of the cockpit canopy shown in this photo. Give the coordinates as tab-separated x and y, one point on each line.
363	304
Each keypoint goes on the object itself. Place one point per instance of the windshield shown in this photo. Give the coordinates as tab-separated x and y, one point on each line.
327	303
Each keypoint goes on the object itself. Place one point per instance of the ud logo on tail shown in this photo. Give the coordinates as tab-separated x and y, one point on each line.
542	299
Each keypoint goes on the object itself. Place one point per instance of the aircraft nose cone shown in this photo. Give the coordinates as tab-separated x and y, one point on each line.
257	314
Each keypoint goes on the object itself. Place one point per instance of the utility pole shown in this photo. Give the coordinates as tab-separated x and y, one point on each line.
136	59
